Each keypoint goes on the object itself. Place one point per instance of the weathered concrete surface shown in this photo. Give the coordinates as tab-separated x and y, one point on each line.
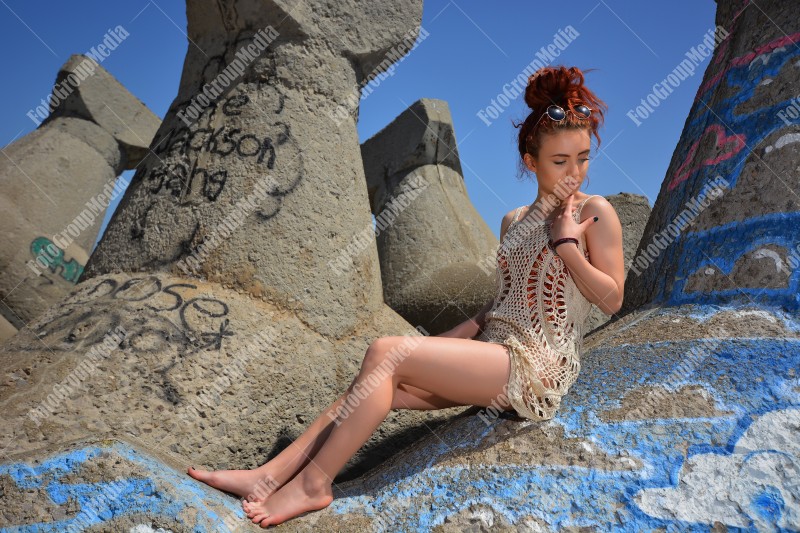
47	179
192	355
725	455
7	330
613	457
633	212
698	388
53	181
226	377
103	100
731	187
274	121
432	241
73	488
655	435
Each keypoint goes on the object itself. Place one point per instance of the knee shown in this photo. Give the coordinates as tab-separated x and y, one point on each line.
377	351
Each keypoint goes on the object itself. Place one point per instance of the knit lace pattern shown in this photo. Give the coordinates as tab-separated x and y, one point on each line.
539	314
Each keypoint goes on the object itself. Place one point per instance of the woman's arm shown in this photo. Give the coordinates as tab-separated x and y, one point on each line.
470	328
601	280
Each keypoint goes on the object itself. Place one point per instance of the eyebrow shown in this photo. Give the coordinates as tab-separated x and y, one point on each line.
567	155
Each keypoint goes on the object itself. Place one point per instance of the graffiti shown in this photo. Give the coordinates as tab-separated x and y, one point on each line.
222	141
143	485
205	166
743	446
723	136
156	316
725	146
761	52
755	485
181	180
50	256
178	181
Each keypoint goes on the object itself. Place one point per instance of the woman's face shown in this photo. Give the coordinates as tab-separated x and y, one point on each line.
562	162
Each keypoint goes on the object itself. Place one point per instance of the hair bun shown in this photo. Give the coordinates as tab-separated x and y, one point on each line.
553	85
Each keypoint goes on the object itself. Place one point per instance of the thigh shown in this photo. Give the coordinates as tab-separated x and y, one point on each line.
464	371
409	397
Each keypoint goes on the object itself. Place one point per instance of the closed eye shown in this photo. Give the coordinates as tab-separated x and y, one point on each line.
562	162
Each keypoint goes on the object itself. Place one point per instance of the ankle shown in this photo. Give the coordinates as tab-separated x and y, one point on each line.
264	486
314	482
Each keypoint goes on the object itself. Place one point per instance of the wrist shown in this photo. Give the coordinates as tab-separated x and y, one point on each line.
557	244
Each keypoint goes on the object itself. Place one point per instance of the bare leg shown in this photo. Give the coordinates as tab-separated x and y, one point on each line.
462	371
258	483
410	397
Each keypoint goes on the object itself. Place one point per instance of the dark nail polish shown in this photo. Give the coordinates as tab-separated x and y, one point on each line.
595	219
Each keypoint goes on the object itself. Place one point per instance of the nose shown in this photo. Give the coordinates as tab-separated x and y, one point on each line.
574	170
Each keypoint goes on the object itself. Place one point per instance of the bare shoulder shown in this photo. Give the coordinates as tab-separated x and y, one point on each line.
506	222
598	206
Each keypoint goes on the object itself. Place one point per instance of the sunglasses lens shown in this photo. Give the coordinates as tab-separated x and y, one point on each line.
583	110
556	113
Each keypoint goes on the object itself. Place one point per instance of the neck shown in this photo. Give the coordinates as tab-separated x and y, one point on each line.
545	204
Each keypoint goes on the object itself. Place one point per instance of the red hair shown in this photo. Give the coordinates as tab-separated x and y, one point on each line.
563	87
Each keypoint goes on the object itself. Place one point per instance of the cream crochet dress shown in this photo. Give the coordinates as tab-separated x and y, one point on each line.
538	314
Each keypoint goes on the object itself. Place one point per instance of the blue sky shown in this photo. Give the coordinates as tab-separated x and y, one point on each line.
472	49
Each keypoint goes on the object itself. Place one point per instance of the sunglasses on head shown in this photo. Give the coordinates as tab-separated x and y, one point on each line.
557	113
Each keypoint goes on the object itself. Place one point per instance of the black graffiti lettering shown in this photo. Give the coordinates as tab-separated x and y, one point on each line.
178	143
138	289
90	329
176	180
201	132
227	138
255	148
195	303
201	322
159	144
153	335
213	142
204	179
57	323
178	297
223	142
214	339
213	182
232	106
283	137
110	285
268	146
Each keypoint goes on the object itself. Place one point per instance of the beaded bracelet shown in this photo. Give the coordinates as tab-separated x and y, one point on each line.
562	241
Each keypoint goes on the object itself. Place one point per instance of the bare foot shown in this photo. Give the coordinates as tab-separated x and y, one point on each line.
249	484
298	496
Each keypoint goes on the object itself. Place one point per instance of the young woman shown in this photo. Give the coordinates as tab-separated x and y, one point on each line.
521	352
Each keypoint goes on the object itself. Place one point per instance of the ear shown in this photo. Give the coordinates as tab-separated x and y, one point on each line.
530	162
